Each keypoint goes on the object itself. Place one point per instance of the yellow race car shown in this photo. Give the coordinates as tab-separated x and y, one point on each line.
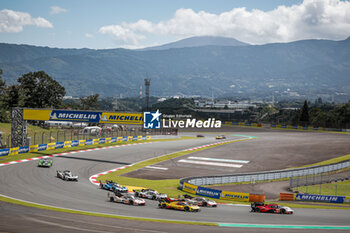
221	137
179	205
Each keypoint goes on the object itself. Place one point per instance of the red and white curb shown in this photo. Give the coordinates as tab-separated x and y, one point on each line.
93	179
71	152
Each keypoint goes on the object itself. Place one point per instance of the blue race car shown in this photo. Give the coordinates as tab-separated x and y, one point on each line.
113	186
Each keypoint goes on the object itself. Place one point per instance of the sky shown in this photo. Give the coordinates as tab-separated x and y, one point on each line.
139	23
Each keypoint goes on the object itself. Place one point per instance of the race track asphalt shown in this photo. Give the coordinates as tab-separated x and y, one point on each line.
27	182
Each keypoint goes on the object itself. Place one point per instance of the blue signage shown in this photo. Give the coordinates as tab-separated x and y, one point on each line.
59	145
66	115
319	198
125	138
114	139
75	143
42	147
23	149
207	192
88	142
134	138
102	141
4	152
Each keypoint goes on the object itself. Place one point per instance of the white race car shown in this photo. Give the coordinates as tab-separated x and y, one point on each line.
66	175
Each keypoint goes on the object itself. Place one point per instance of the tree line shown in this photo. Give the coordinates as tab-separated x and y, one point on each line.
38	90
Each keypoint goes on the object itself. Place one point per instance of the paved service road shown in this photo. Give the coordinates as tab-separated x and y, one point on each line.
28	182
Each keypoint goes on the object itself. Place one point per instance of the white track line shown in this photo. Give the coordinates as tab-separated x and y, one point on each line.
157	168
210	163
219	160
93	178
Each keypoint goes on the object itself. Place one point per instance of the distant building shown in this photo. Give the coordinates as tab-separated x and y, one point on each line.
223	104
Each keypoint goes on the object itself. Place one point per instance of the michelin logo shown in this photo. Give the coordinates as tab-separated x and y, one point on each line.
151	120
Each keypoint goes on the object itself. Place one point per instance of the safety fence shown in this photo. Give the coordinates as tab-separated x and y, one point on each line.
193	184
58	135
317	179
66	144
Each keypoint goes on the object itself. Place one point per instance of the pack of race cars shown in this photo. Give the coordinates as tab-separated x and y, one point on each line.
120	194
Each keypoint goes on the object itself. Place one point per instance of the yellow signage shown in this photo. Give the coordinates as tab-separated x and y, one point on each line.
14	151
51	146
36	114
190	188
82	116
121	118
234	196
33	148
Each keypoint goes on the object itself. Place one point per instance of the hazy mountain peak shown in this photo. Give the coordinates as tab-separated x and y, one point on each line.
199	41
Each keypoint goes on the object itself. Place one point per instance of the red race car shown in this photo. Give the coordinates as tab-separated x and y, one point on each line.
270	208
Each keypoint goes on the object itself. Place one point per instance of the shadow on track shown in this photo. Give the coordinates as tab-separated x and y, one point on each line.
94	160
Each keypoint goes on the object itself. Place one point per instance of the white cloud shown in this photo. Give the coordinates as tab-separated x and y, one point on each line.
88	35
319	19
14	21
57	10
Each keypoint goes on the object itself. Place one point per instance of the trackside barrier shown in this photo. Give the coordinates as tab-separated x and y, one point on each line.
258	176
66	144
314	198
286	196
214	193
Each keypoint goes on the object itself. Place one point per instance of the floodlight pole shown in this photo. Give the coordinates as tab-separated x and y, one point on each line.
18	128
147	84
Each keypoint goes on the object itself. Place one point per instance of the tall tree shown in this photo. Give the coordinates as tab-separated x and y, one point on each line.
90	102
304	116
39	90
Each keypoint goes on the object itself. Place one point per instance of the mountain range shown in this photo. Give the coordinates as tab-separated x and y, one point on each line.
202	66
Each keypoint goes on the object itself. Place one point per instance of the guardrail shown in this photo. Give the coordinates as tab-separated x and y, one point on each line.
266	175
193	184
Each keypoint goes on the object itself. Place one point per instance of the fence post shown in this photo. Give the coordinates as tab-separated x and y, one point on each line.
64	135
57	136
8	141
321	185
50	136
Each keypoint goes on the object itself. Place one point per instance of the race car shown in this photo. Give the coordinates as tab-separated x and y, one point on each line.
45	162
66	175
201	201
179	205
270	208
124	198
150	194
221	137
113	186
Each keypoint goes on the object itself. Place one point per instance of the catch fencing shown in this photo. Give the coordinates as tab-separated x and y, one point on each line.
58	135
265	176
317	179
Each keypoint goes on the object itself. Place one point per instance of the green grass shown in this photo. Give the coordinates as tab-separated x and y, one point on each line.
330	161
341	188
10	158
